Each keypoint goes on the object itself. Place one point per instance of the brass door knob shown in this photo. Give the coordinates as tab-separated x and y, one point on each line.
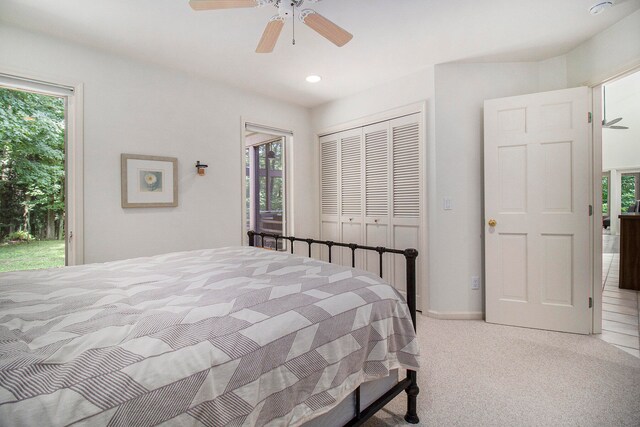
492	223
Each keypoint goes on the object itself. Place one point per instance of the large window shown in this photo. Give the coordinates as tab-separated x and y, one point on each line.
265	200
630	191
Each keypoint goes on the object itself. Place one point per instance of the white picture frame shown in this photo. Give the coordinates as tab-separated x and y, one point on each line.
148	181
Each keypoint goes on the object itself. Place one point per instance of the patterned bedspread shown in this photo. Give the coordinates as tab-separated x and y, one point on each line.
224	337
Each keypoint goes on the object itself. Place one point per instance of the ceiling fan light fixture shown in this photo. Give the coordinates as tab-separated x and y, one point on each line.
313	78
600	7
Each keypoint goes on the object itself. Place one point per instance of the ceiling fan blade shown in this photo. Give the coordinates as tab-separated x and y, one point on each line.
221	4
326	28
617	127
270	35
613	122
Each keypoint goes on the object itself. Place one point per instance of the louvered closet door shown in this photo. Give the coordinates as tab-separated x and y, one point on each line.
376	194
351	195
329	192
406	190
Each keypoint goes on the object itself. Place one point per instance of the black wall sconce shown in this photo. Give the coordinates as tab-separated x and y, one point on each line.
201	168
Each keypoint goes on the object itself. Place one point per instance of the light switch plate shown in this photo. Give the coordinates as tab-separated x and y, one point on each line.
447	204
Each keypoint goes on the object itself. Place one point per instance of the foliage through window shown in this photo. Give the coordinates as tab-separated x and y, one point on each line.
605	194
265	202
32	144
629	193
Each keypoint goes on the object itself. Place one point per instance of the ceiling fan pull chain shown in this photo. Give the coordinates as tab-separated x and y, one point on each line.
293	21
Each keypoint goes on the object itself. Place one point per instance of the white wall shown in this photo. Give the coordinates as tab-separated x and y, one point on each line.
134	107
407	90
552	73
621	148
611	52
456	238
454	144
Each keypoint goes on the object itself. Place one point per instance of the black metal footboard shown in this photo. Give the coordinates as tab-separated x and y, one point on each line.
408	384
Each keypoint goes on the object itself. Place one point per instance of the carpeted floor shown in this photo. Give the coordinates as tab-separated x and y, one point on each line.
477	374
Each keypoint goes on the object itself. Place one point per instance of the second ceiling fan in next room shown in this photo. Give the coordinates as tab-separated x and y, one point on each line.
611	124
286	9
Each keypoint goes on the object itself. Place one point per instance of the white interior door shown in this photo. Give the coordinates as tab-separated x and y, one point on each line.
537	190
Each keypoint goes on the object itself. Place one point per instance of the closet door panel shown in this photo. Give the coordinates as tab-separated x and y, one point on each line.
352	233
407	192
351	174
351	193
405	142
376	194
330	231
404	237
377	235
329	192
376	172
329	167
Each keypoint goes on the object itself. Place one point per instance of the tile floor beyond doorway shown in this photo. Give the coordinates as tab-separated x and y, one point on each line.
620	320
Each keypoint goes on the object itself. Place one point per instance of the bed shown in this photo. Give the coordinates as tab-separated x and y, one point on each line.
221	337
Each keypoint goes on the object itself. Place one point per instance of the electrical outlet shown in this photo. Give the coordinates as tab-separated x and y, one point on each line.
475	283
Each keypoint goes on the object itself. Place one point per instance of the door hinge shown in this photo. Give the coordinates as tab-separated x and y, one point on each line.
590	302
590	210
590	117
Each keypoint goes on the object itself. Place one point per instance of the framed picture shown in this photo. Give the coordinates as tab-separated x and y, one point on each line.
149	181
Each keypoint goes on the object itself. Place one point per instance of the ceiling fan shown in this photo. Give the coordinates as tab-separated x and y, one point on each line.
286	9
609	124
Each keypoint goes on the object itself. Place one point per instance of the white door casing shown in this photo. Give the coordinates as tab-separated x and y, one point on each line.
537	189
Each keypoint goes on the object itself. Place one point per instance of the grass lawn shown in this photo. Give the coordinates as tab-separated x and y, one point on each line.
32	255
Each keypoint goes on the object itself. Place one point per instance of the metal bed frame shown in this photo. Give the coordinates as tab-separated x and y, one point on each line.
408	384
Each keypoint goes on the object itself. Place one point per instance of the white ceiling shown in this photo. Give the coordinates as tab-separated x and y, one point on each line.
392	38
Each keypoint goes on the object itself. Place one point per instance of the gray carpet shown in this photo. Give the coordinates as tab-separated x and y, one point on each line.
477	374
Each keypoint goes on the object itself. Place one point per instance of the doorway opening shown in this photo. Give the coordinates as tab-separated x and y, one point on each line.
620	136
41	173
265	195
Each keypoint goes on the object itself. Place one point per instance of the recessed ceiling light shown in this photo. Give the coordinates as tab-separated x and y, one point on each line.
313	79
600	7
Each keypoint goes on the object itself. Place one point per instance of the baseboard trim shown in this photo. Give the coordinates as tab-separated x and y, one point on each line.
456	315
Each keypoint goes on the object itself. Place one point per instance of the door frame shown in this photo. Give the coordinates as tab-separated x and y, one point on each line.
288	135
74	156
597	195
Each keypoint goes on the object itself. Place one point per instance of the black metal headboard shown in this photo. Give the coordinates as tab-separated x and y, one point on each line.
410	256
